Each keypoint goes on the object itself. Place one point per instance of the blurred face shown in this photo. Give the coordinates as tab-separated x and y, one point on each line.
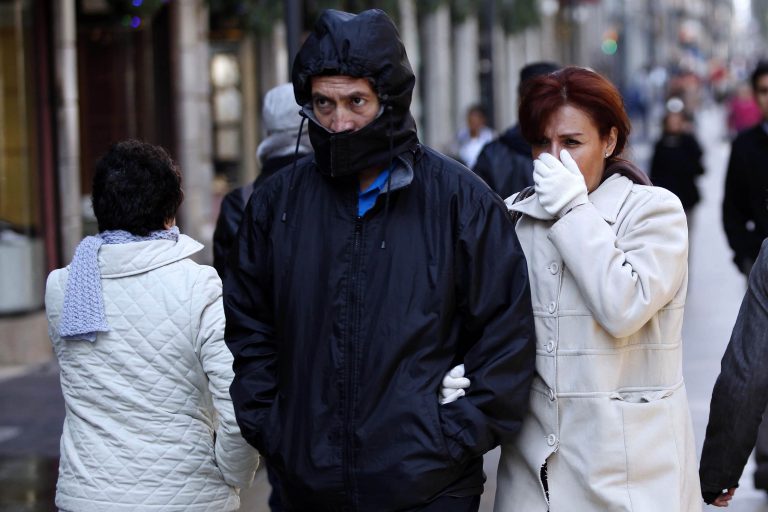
572	129
761	94
475	121
343	103
674	123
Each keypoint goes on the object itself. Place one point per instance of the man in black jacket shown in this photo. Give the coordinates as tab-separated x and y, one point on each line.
505	163
745	203
357	280
745	215
740	395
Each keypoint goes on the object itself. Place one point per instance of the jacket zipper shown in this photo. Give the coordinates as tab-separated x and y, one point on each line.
355	291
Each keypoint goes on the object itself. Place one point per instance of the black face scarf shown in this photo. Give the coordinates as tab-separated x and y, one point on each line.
347	153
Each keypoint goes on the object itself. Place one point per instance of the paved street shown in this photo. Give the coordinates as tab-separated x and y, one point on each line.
31	407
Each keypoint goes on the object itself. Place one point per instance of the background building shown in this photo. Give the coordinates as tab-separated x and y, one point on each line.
78	75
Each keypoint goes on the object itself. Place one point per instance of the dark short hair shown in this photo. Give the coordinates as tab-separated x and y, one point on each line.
532	70
136	188
581	88
477	109
760	70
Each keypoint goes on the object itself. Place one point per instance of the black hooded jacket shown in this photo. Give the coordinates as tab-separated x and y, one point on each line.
341	342
506	163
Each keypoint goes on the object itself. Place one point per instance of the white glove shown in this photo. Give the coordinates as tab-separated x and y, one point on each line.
559	184
454	384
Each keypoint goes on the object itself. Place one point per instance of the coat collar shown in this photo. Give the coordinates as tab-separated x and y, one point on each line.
607	199
121	260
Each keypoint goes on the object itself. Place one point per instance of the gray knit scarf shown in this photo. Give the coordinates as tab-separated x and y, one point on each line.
83	312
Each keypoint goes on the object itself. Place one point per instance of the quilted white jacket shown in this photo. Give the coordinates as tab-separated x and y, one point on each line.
144	401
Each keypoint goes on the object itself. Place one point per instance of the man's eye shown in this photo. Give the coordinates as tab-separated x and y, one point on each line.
358	102
321	102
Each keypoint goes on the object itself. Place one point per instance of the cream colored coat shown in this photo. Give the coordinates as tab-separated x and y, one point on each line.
609	413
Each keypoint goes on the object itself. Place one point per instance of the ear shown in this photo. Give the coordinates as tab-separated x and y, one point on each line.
610	141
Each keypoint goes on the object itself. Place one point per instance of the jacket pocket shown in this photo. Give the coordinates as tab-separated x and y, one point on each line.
651	448
431	406
639	397
271	432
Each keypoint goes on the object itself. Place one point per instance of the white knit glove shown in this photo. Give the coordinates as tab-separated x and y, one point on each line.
454	384
559	184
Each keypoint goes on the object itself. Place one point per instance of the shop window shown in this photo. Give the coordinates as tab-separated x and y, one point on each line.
21	244
227	99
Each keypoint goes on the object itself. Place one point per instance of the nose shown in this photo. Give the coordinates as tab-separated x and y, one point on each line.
554	149
342	121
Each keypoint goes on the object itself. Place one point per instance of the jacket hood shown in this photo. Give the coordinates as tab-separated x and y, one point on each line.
366	45
120	260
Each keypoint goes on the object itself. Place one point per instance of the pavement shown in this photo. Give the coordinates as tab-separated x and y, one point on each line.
31	406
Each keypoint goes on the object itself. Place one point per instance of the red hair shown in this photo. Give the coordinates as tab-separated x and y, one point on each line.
578	87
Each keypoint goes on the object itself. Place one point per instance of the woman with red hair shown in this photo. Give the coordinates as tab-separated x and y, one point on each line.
609	427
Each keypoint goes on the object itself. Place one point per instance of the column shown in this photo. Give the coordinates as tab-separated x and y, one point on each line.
193	120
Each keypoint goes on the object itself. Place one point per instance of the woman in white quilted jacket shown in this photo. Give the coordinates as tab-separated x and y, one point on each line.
138	330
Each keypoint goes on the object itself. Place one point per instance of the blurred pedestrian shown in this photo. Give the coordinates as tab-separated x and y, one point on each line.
609	426
138	330
740	394
471	138
745	216
356	284
743	110
281	121
505	163
676	161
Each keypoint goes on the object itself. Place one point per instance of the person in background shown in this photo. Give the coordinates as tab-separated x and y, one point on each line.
138	331
609	426
745	216
740	394
281	121
743	110
676	161
358	278
471	139
505	163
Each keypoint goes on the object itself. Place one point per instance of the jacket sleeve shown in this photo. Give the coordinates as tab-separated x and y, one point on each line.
626	279
250	331
741	390
736	208
236	460
494	302
484	166
230	215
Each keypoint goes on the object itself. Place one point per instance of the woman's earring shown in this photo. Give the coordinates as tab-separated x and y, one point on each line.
607	155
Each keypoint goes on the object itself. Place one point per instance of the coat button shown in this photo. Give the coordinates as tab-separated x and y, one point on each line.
552	394
551	439
554	268
550	345
552	307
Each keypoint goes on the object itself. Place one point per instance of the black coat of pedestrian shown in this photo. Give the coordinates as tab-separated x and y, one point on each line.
676	164
745	203
342	327
741	392
506	164
231	212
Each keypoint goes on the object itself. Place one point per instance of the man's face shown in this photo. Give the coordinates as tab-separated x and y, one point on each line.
343	103
761	94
